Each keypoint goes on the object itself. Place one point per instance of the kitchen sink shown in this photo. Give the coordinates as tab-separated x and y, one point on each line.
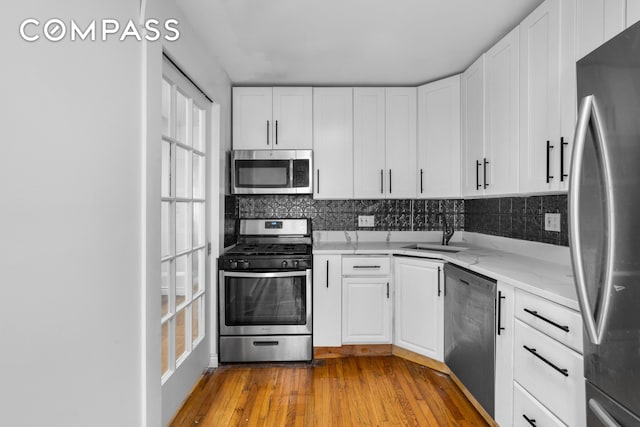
434	248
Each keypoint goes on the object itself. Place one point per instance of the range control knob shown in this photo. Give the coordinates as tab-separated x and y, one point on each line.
284	264
233	264
296	263
245	264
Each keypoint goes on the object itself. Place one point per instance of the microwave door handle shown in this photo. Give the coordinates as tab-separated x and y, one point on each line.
589	113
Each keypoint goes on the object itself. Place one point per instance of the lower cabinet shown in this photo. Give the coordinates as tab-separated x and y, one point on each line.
505	300
419	306
327	300
366	310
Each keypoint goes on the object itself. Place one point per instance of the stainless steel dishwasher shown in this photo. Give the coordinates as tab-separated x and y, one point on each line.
469	331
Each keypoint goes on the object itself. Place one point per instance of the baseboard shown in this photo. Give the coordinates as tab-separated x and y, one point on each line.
420	359
213	361
351	351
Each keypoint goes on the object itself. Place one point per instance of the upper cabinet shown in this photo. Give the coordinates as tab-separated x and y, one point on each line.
272	118
472	115
438	149
384	142
598	21
500	173
489	98
333	143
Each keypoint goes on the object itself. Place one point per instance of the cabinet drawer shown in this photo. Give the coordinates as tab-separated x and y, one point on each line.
525	405
538	360
557	321
365	265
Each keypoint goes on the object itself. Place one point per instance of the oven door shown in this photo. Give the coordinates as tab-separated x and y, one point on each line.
265	303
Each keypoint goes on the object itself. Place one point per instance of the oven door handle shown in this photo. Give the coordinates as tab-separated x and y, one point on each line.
266	274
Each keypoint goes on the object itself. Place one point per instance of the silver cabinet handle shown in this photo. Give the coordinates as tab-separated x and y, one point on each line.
602	414
589	114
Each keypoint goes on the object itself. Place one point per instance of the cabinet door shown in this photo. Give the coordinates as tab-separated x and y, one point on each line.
596	22
501	116
292	118
504	354
439	139
539	97
252	118
366	310
333	143
633	12
401	128
368	143
472	101
419	307
327	300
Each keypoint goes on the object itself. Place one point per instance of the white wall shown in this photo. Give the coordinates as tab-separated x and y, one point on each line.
79	345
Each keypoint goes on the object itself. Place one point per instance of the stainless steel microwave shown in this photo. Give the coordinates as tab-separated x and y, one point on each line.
271	172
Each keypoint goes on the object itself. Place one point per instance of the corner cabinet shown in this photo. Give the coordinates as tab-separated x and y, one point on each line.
272	118
419	306
384	143
366	300
333	143
327	300
438	172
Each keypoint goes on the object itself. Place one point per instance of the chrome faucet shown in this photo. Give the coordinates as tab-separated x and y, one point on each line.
447	232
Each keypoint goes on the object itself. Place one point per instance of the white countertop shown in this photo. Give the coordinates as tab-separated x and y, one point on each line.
542	269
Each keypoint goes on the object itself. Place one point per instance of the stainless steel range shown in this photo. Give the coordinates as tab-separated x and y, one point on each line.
265	293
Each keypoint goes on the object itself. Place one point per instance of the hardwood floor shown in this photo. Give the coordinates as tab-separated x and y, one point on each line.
351	391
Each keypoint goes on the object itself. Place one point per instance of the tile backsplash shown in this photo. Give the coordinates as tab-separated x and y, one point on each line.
515	217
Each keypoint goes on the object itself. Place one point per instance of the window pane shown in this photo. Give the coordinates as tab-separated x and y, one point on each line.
165	347
181	325
183	226
182	105
165	229
198	224
198	271
166	169
165	277
198	128
198	176
182	276
195	320
166	108
183	173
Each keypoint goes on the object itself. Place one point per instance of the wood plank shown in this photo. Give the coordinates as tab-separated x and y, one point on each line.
345	391
352	351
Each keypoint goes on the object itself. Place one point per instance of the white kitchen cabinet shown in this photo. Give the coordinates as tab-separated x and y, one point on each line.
504	354
327	300
501	116
272	118
547	96
366	300
333	143
596	22
472	116
438	147
368	143
633	12
400	144
419	306
384	142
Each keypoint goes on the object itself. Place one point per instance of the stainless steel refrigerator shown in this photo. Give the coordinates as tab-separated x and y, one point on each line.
604	227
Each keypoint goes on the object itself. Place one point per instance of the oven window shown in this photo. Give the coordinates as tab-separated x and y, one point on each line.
262	173
252	301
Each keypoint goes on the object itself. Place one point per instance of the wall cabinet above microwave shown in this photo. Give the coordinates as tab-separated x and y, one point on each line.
278	118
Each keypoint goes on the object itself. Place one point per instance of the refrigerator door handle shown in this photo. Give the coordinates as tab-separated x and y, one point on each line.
589	114
602	414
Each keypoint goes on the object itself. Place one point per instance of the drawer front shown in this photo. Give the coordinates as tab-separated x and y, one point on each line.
538	360
527	411
365	265
557	321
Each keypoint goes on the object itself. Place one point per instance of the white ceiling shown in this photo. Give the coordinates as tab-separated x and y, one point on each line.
349	42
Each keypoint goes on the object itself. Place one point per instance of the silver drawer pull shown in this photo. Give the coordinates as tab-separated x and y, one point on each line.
551	322
533	351
366	266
